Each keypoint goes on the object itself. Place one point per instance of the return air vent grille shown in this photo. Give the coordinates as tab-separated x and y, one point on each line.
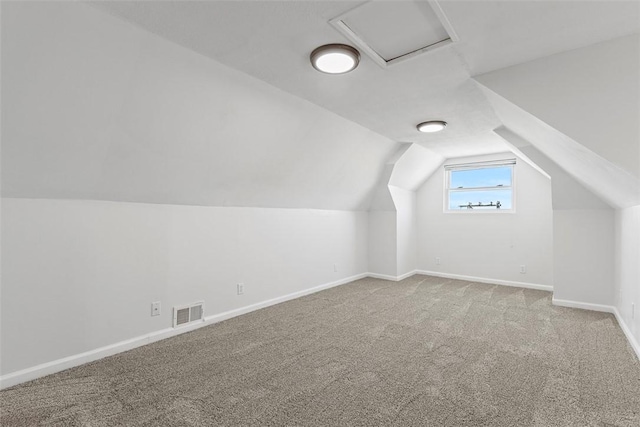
196	312
185	314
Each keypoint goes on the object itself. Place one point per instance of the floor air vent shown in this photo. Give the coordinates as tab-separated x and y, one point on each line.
185	314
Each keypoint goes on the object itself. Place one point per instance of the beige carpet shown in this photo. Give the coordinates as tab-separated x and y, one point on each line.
424	352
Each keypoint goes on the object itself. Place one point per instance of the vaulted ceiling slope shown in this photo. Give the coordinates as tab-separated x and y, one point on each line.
95	108
271	40
215	103
615	186
567	192
580	108
408	168
591	94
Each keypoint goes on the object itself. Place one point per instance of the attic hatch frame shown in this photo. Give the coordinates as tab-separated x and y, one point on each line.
339	24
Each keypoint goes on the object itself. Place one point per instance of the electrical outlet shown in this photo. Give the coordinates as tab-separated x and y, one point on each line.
155	308
335	268
438	261
240	288
523	269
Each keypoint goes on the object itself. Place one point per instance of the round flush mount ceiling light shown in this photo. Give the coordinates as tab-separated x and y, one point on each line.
335	58
432	126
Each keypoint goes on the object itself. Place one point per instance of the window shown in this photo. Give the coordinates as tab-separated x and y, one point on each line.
474	187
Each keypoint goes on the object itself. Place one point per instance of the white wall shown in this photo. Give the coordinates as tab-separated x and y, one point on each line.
609	182
78	275
590	85
627	268
489	245
548	101
383	238
412	166
95	108
583	255
583	250
406	229
568	193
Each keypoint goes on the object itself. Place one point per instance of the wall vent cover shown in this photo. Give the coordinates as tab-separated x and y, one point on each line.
190	313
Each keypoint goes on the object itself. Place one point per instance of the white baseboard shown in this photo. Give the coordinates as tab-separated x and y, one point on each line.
633	342
489	281
52	367
247	309
382	276
392	278
635	345
58	365
405	275
582	305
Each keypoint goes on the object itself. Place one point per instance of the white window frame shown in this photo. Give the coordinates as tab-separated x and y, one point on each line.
448	168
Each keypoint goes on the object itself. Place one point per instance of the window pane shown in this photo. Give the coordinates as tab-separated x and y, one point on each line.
485	177
460	200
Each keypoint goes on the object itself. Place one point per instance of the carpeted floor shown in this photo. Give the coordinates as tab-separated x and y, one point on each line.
425	351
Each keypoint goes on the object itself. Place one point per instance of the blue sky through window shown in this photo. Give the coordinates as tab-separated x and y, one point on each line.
485	177
482	186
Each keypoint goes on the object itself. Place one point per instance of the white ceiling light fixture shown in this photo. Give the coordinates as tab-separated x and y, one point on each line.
432	126
335	58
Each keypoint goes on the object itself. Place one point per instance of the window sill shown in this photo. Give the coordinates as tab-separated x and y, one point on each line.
480	212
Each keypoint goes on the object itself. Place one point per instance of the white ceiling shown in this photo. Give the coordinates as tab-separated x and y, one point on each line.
394	29
612	184
95	108
271	40
557	90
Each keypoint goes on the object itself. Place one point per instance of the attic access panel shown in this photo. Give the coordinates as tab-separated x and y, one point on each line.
394	31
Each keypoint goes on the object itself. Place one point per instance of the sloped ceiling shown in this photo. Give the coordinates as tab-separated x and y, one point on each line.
408	168
499	34
567	192
272	41
579	108
615	186
414	167
591	94
94	108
